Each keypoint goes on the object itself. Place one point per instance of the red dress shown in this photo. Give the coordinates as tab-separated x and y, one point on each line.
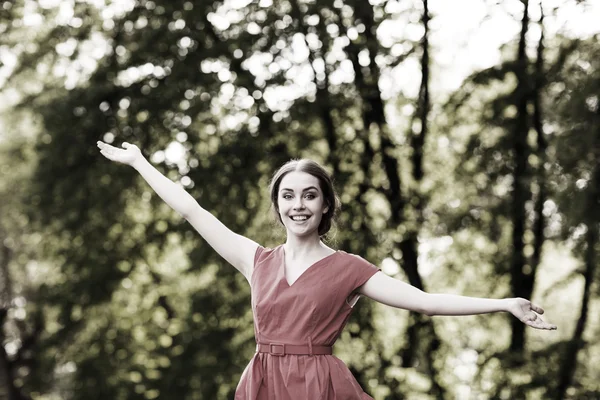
314	309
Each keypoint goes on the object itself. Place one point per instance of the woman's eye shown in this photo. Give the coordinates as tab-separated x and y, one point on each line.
289	196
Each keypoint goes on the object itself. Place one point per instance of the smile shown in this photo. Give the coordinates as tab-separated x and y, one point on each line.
299	218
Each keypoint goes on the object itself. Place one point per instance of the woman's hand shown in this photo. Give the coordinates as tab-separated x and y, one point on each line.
128	155
527	313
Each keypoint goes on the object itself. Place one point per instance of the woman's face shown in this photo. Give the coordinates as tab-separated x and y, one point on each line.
301	203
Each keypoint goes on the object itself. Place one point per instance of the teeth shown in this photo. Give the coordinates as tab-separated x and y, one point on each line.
299	218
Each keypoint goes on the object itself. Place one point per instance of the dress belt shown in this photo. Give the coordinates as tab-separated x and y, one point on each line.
281	349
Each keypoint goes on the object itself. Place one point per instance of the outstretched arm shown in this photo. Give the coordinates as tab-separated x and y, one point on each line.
174	195
236	249
395	293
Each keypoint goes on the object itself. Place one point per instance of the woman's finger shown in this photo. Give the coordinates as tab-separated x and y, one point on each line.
541	324
536	324
548	326
532	324
537	309
533	316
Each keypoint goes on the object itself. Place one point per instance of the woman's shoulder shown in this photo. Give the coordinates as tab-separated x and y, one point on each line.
354	260
263	252
349	256
262	256
345	258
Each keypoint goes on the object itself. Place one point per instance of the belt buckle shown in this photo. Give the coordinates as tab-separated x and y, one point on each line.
277	354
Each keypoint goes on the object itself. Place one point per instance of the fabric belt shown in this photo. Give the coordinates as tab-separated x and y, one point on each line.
281	349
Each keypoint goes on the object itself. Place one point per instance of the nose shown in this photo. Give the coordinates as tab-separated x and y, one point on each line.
298	204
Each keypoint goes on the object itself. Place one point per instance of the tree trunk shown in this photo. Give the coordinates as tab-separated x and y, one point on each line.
409	245
373	115
521	191
542	146
8	391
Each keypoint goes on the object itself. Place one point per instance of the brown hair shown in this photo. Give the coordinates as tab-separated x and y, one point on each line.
325	182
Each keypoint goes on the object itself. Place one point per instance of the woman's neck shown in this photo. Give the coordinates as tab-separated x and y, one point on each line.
297	247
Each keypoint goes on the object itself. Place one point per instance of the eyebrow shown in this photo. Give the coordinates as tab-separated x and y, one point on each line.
308	188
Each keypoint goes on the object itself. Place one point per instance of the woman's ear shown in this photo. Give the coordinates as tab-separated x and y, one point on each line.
325	209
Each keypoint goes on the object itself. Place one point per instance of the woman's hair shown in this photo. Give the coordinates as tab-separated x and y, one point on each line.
325	182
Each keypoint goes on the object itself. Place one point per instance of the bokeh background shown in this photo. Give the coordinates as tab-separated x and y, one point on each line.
464	137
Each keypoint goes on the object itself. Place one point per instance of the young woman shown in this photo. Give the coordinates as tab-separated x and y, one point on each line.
303	291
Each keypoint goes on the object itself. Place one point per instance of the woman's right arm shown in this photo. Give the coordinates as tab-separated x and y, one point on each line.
236	249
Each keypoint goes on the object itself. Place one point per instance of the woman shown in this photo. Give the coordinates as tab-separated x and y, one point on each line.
303	291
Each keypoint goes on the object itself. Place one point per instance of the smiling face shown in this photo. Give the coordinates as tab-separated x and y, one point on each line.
301	203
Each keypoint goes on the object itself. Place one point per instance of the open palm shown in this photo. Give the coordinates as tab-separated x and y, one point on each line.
127	155
529	314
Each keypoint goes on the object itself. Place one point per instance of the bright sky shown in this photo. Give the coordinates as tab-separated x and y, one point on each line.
463	42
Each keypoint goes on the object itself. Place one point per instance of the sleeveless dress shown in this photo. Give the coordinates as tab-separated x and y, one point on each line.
313	310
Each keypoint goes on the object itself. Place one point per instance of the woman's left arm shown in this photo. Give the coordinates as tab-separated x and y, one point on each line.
395	293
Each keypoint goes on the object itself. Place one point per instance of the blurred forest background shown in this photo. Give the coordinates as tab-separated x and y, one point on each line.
464	138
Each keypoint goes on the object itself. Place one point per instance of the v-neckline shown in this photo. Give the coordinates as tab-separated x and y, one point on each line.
305	271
